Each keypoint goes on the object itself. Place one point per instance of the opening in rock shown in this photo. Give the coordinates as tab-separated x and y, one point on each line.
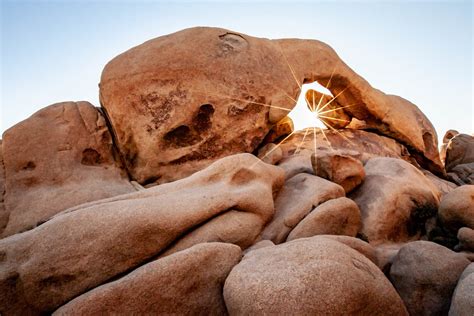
306	114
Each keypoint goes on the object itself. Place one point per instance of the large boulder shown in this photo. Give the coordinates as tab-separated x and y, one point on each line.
339	216
184	89
425	275
61	156
456	209
297	198
309	276
189	282
460	150
462	303
85	246
395	201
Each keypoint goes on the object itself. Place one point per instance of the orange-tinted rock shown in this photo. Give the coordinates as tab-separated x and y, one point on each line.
181	101
186	283
344	170
60	157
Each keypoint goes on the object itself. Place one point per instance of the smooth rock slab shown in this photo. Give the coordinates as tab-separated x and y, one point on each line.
309	276
296	199
84	247
425	275
339	216
188	282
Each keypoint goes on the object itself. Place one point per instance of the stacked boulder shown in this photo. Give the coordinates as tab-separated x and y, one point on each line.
189	192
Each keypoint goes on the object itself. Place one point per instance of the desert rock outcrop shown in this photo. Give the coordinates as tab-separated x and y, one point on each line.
79	249
183	96
60	157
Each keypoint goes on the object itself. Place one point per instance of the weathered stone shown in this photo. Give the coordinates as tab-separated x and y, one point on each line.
456	209
297	198
183	96
460	150
59	157
339	216
463	298
235	227
447	137
260	244
357	144
462	174
84	247
309	276
395	200
270	153
188	282
344	170
425	275
466	239
443	186
357	244
279	131
297	163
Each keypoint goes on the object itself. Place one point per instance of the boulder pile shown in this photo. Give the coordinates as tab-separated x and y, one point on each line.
189	192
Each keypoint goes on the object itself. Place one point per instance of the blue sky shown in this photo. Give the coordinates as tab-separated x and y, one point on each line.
54	51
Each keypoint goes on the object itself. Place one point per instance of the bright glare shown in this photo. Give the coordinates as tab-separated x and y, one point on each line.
302	117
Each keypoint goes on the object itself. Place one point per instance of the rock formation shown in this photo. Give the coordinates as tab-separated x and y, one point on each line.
147	204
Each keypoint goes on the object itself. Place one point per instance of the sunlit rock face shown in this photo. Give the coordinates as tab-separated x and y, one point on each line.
178	102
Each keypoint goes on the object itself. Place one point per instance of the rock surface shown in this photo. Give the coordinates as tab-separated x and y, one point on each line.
462	303
60	157
344	170
456	209
187	283
339	216
183	96
296	199
309	276
425	275
459	161
466	239
395	200
81	248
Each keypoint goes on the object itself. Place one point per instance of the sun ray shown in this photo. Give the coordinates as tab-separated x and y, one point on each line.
291	68
342	107
327	87
327	140
342	135
314	140
273	149
299	146
334	98
332	118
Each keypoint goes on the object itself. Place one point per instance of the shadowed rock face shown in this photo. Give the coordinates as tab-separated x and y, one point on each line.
203	93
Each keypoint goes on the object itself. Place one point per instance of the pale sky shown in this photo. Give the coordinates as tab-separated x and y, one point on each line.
54	51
